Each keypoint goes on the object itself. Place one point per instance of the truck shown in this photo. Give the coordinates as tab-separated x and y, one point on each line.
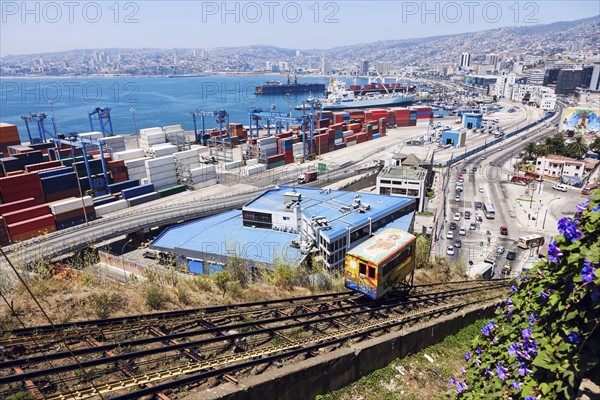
308	176
485	269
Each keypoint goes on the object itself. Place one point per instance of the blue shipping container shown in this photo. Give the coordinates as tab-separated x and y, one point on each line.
59	183
137	191
54	172
117	187
196	266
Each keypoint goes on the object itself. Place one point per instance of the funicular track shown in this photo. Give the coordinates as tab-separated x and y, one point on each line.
137	356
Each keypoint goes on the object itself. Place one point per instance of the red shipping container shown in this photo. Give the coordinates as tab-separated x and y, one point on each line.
41	222
17	205
42	166
4	237
73	192
33	233
79	212
26	213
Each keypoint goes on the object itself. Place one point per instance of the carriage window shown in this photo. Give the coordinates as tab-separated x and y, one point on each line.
362	268
372	272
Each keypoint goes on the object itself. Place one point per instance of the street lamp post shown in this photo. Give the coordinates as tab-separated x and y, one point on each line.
53	119
123	261
135	126
546	213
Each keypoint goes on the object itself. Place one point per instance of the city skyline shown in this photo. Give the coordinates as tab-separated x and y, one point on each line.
305	26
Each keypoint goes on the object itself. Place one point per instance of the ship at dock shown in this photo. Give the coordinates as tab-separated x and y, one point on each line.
340	97
280	88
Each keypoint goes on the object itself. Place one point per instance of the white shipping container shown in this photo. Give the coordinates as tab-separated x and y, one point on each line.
172	128
111	207
155	162
348	144
162	151
144	181
162	175
204	168
183	155
128	154
233	164
147	131
252	161
71	204
347	133
160	168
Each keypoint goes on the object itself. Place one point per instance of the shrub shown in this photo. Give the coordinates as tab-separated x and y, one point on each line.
283	276
543	340
155	296
220	279
105	303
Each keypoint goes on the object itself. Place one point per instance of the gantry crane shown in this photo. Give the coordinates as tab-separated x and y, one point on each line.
106	127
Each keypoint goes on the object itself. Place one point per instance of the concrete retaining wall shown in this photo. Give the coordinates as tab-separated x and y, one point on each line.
332	371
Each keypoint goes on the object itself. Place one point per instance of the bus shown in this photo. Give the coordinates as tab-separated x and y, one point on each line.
376	265
527	242
488	209
587	189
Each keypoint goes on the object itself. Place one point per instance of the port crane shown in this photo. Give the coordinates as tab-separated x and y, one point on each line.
222	118
39	120
106	127
306	121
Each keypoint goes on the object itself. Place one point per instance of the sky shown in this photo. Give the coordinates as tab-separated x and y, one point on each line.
50	26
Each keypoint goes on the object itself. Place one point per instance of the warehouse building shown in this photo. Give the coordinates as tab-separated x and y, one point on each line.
286	224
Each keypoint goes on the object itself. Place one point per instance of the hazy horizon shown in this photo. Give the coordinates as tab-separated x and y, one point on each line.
69	26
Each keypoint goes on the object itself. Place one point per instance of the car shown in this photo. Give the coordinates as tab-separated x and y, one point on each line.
453	225
481	190
474	169
462	231
457	197
450	235
560	187
500	249
478	218
458	243
467	214
464	170
483	157
457	216
473	226
478	205
450	250
511	255
459	186
520	183
459	176
504	230
150	254
461	180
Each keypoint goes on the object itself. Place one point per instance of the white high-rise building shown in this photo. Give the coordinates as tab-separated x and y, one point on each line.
325	66
465	60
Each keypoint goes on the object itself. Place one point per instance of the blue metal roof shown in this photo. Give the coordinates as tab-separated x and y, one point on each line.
224	235
319	202
402	223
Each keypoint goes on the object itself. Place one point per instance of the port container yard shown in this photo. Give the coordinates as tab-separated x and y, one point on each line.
38	178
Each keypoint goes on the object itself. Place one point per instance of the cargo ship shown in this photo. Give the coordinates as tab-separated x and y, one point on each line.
339	98
280	88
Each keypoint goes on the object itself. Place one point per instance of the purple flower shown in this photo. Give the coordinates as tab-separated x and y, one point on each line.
453	381
532	319
508	301
512	349
530	398
467	356
460	387
478	362
501	371
526	333
530	346
588	272
596	293
574	337
463	370
478	350
583	206
523	369
516	385
544	295
488	371
513	288
595	209
568	228
554	252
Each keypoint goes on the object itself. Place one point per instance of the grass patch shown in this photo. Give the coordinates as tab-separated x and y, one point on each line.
415	376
